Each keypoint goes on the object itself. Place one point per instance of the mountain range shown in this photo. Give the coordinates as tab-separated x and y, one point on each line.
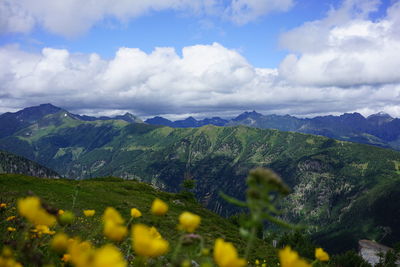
378	129
332	180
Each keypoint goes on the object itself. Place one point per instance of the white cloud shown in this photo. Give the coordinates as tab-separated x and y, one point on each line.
345	48
204	80
74	17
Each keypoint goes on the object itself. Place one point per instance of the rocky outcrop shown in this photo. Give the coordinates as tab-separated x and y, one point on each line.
10	163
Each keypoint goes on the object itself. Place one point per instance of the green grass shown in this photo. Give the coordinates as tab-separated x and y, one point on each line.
99	193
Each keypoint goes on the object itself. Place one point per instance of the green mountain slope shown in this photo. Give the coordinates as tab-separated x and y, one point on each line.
330	179
10	163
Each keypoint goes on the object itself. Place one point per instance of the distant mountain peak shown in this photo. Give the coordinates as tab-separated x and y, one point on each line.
253	114
381	114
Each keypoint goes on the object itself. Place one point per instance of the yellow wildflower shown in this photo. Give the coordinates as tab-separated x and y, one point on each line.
11	229
189	221
290	258
9	262
154	233
113	225
89	213
135	213
111	214
61	212
159	207
66	258
31	209
114	231
60	242
108	255
147	242
80	253
3	205
43	229
321	255
257	262
225	254
10	218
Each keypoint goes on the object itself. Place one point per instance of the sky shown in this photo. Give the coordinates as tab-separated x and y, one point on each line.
201	58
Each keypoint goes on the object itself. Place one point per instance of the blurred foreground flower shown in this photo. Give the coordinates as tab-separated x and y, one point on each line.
189	221
290	258
225	254
60	242
7	260
321	255
159	207
107	256
31	209
113	225
80	253
148	242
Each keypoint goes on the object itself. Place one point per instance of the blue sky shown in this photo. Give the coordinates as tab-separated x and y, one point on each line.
274	50
258	40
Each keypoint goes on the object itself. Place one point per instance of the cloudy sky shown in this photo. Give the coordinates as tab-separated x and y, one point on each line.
201	57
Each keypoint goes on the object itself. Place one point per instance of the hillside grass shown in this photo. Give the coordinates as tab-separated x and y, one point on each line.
99	193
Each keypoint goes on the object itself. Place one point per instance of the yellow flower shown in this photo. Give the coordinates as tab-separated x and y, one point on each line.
113	225
42	229
108	255
3	205
80	253
225	254
31	209
159	207
257	262
60	242
61	212
148	242
89	213
189	221
321	255
135	213
10	218
290	258
114	231
7	260
11	229
111	214
66	258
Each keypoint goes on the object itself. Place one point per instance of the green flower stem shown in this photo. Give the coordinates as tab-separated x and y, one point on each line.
250	242
177	248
